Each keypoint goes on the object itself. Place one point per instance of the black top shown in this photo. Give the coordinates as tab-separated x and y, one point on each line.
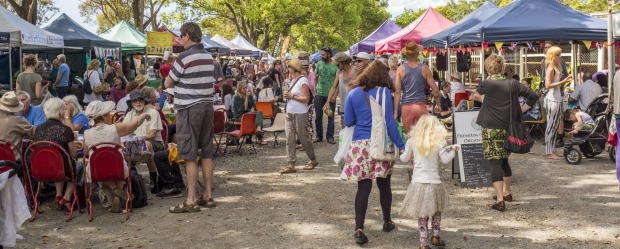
272	75
495	111
54	131
446	104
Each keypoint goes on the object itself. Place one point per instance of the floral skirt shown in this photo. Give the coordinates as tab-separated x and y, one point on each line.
493	143
424	200
359	166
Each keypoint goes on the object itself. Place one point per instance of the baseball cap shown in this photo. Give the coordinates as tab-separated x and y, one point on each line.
109	57
362	55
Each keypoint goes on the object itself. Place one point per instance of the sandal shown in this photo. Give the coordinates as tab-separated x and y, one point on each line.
288	169
210	203
310	165
388	226
184	208
64	204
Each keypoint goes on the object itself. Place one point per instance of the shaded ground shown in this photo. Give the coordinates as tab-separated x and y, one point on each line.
557	206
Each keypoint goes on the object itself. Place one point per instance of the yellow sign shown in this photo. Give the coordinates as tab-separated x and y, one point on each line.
158	42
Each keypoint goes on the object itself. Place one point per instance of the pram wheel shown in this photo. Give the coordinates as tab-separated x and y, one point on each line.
612	153
573	156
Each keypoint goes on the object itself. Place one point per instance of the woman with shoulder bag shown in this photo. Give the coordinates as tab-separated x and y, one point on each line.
494	117
358	164
92	74
297	123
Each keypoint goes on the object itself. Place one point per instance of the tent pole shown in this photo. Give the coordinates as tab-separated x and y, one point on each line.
449	66
481	64
521	67
573	61
611	60
10	69
21	59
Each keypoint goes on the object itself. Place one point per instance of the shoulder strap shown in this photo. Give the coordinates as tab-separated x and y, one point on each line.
294	83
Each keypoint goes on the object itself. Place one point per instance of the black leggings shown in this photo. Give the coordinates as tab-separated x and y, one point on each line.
500	168
361	199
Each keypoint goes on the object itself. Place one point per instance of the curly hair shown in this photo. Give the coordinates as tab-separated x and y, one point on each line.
427	135
192	30
31	60
375	75
494	64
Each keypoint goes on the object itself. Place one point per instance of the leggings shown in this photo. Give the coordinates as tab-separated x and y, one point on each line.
500	168
361	199
554	113
423	226
618	152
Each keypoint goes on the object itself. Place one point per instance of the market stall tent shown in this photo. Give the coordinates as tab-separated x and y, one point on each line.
241	42
177	46
132	41
428	24
441	39
538	20
77	36
234	49
213	46
368	44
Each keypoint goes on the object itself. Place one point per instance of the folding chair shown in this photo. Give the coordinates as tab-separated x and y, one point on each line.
460	96
118	117
538	124
47	164
6	152
219	126
106	164
266	108
247	129
164	134
278	127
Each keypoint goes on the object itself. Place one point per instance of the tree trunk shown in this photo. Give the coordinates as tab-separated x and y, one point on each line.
27	10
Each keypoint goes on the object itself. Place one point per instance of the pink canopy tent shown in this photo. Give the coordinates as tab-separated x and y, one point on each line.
428	24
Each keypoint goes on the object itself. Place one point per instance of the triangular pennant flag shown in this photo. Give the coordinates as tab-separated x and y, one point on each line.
604	44
498	45
588	44
513	46
425	53
530	45
485	45
542	44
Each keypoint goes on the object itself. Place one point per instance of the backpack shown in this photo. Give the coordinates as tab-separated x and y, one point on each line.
110	78
86	87
138	189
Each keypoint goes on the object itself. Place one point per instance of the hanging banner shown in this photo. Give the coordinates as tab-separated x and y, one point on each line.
277	45
54	41
5	37
287	40
158	42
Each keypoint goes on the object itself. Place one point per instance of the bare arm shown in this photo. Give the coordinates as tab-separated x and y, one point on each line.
38	90
169	82
431	82
72	150
333	91
124	129
550	74
398	89
151	135
17	87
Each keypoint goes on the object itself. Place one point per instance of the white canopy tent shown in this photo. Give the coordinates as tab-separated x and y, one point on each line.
25	35
236	50
245	44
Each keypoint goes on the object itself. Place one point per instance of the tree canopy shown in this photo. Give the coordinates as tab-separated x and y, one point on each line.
34	11
107	13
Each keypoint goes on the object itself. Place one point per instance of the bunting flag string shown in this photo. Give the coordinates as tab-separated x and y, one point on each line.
588	44
530	45
513	46
499	45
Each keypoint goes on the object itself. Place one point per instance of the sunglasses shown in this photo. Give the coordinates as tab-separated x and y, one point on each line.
359	61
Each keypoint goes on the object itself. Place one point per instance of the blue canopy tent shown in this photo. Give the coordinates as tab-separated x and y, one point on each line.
386	29
534	20
316	57
440	40
213	46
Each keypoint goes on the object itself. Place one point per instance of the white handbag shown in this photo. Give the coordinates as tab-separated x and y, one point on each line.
381	146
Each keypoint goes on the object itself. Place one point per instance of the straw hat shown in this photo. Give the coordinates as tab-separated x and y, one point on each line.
170	91
412	48
141	79
10	103
295	64
456	76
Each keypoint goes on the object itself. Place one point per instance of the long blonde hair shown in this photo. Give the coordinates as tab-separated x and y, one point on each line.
552	53
427	135
94	64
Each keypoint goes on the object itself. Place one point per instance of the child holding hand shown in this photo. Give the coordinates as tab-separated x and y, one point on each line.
426	196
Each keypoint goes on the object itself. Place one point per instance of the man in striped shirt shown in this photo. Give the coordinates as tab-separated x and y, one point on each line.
192	79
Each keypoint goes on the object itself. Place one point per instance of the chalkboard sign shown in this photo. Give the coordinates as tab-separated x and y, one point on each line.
476	170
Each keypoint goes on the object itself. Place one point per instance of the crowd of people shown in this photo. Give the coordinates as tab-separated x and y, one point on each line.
193	82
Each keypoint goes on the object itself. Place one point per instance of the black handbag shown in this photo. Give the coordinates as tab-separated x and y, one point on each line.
518	139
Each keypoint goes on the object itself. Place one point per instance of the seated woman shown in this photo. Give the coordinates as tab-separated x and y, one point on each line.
53	130
14	128
244	103
446	103
534	112
581	120
103	132
74	116
228	93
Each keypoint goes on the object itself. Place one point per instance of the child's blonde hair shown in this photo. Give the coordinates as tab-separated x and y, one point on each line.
427	134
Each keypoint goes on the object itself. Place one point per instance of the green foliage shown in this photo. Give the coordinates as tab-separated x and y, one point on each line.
143	14
36	12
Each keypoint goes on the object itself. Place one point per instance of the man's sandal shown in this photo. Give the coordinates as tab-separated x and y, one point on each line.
210	203
310	165
288	169
184	208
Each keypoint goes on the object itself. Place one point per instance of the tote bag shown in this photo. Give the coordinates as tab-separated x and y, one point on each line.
381	146
518	139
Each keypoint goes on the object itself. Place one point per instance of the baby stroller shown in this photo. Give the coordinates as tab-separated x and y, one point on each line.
590	143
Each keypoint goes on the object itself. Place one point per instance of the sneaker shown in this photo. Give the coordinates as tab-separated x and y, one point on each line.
317	140
168	191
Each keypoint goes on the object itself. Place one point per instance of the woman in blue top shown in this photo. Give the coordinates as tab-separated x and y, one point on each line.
74	115
358	164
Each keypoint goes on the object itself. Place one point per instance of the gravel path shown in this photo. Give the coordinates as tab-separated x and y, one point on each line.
556	206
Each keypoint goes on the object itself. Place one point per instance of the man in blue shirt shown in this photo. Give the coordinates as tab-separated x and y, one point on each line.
62	78
33	114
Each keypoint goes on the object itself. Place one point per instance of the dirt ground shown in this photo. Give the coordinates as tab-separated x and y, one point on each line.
557	205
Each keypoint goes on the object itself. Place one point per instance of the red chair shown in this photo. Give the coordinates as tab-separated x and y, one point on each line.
107	163
246	130
266	108
219	126
164	134
47	164
460	96
6	152
118	117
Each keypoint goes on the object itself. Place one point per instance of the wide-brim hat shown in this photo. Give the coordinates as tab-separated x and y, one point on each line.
137	95
10	103
141	79
341	58
411	47
170	91
455	76
131	86
98	108
362	55
295	64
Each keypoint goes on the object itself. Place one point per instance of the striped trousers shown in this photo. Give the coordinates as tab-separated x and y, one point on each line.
554	113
